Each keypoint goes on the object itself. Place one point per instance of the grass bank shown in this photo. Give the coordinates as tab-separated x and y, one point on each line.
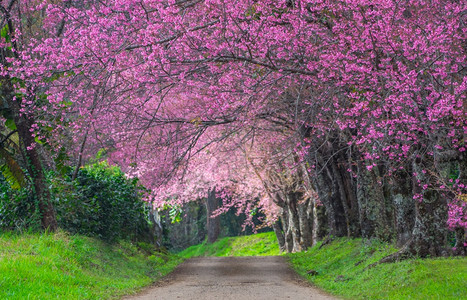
61	266
262	244
340	268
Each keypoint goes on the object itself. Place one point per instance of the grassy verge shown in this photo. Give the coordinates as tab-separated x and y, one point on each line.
341	265
60	266
262	244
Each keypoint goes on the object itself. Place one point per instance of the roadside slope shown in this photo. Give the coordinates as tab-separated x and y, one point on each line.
341	269
51	266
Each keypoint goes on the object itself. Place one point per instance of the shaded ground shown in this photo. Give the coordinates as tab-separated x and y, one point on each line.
233	278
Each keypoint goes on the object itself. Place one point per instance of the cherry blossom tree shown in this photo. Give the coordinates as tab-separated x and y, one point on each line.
358	103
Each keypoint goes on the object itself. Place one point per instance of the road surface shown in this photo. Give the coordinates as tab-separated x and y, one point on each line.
235	278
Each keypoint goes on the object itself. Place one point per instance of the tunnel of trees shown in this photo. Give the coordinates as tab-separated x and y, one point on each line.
331	118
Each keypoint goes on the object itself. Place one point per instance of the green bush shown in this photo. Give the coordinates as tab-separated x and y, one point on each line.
101	202
18	208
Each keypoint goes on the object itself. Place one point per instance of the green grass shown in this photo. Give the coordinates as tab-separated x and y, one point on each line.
61	266
341	268
262	244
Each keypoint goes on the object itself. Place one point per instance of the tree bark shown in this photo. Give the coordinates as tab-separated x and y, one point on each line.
430	232
80	157
212	223
372	209
328	191
31	156
311	227
294	222
315	221
155	230
279	235
400	191
306	239
461	233
349	193
288	239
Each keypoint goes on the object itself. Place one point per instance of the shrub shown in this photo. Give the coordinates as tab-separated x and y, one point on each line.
18	208
101	202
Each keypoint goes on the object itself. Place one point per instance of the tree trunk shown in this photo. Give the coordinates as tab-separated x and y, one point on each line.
31	156
294	223
155	230
287	231
311	228
329	194
404	207
24	123
306	239
428	236
349	198
460	248
430	232
372	211
343	193
315	221
279	235
460	232
212	223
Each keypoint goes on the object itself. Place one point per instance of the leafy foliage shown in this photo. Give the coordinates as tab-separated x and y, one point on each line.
9	145
18	210
11	170
101	202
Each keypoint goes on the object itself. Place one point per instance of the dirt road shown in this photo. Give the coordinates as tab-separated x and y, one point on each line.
236	278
